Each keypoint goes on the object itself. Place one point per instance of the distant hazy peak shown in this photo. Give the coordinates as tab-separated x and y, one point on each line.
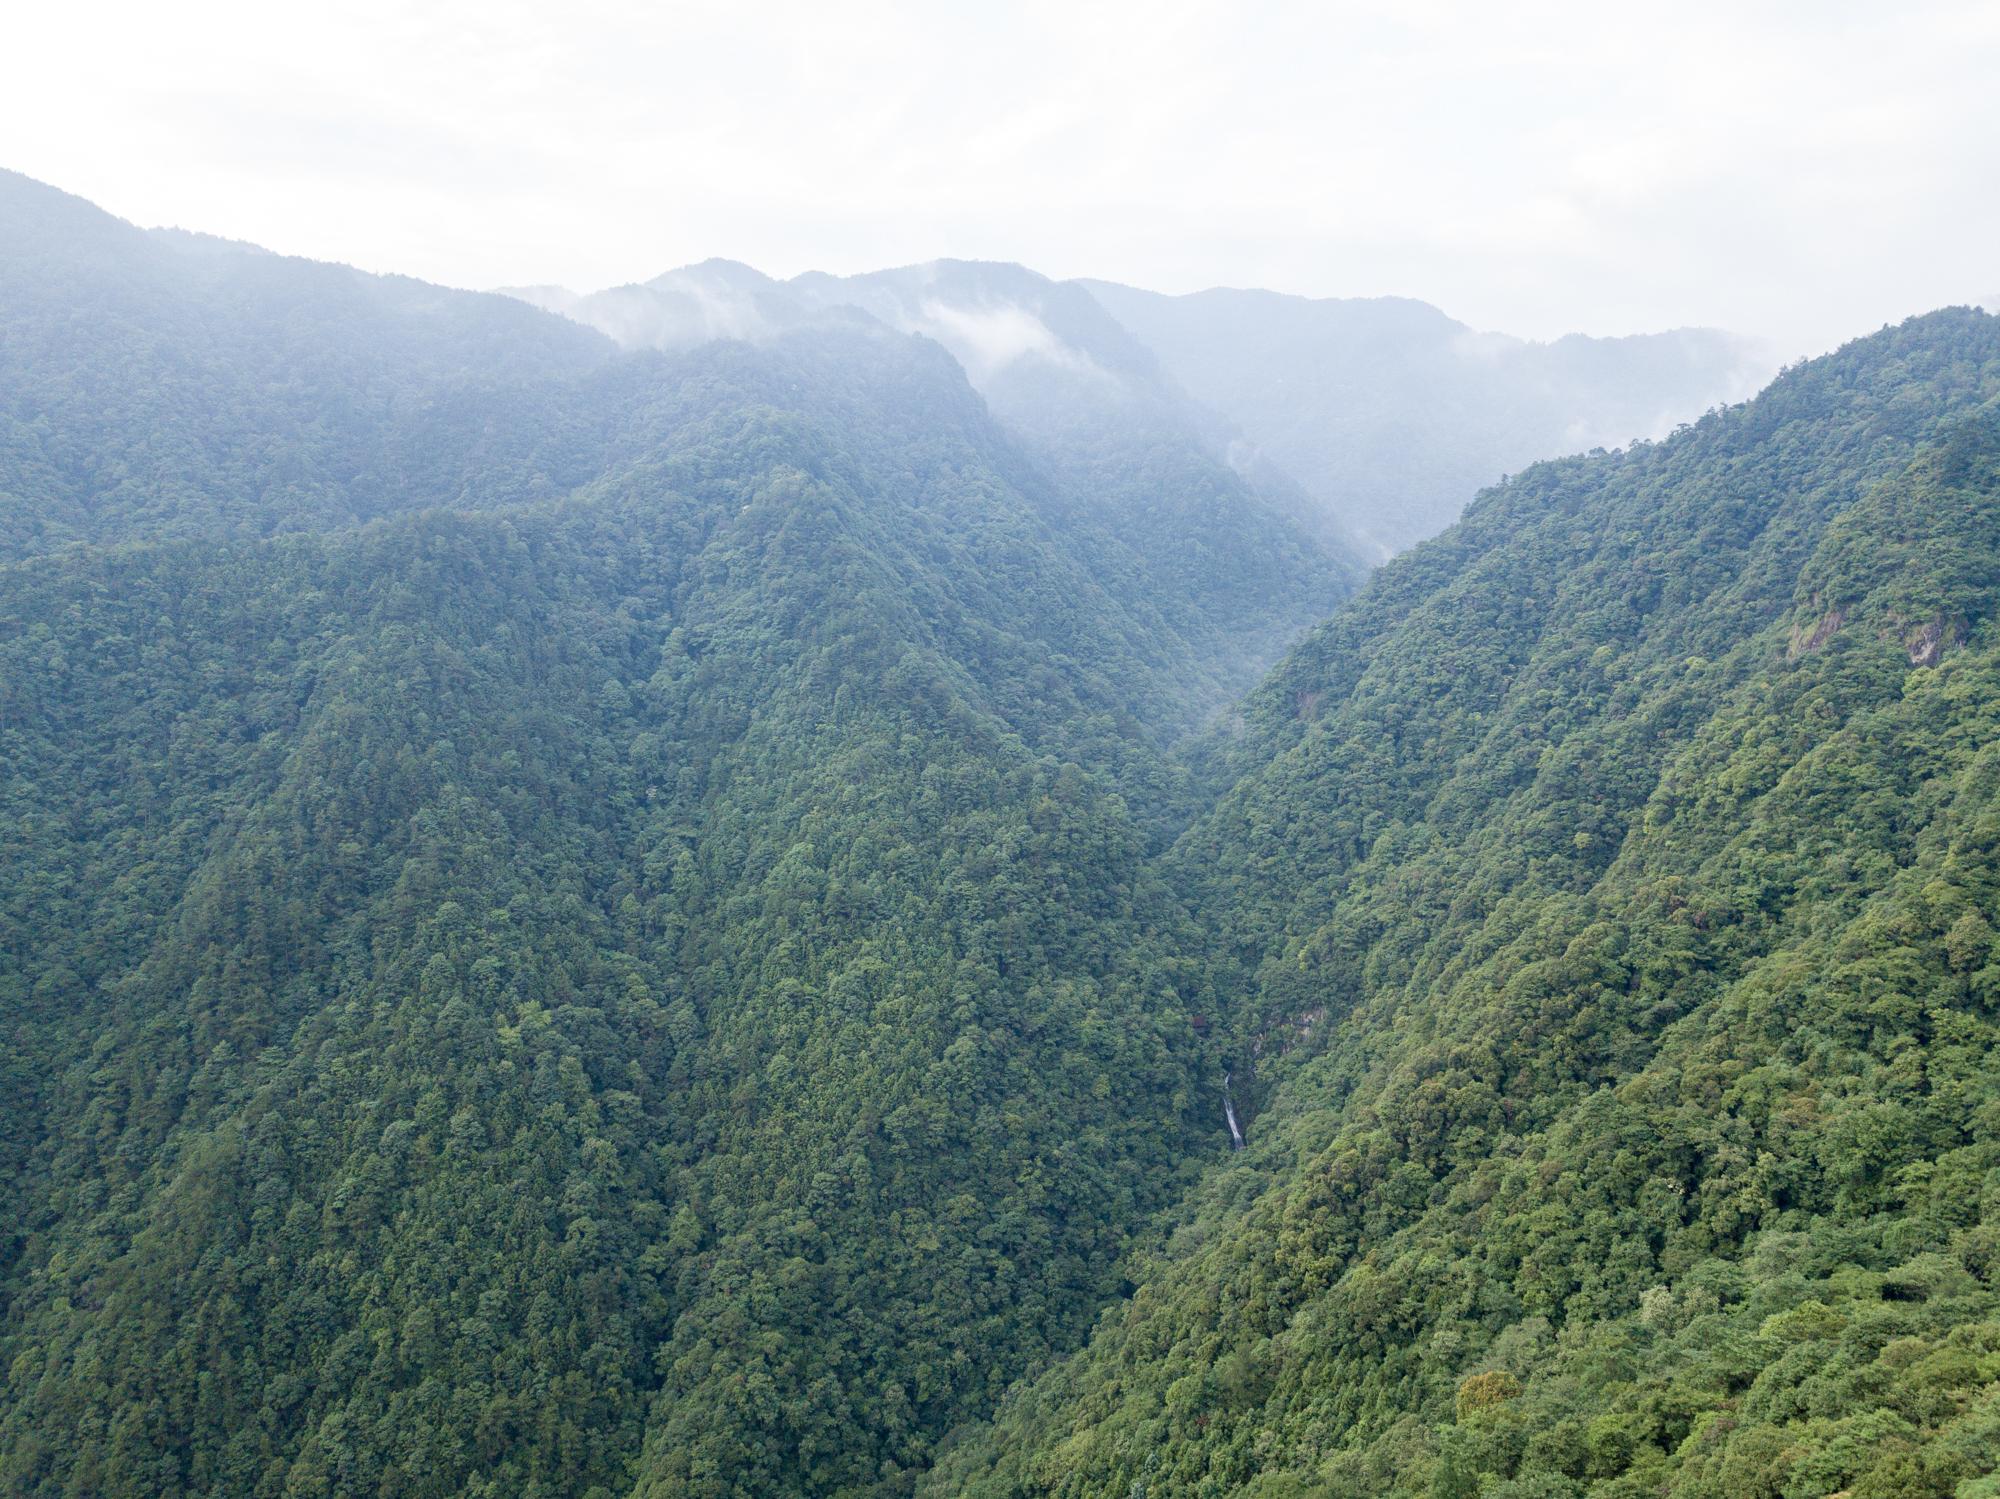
1024	340
1258	302
1363	316
717	271
993	316
1394	414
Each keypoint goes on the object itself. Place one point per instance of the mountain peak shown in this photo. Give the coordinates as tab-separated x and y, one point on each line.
717	271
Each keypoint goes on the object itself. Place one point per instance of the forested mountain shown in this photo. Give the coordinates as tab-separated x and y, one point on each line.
1063	376
1606	915
161	384
596	919
615	947
1393	415
1373	421
169	385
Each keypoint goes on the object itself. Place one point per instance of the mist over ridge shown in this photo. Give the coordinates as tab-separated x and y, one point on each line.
1387	412
942	878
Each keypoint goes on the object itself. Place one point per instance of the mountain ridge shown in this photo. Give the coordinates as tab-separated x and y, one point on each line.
1329	397
1549	899
705	923
1395	414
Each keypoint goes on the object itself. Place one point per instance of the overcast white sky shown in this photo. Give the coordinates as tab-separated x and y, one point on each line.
1804	171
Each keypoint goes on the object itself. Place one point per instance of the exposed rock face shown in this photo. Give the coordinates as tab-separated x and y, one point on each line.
1804	642
1927	642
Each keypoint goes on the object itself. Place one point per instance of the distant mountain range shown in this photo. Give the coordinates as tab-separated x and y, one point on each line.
1394	415
1385	412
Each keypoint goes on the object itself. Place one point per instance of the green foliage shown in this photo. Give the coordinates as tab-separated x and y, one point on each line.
1607	917
585	924
531	978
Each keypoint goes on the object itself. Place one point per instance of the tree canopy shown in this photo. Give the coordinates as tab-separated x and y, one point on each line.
603	923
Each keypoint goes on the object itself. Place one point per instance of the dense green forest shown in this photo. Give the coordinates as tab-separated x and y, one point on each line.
1392	415
626	951
1606	910
598	922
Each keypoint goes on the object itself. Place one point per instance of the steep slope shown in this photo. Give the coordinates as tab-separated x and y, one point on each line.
162	384
1119	433
628	922
558	977
1212	537
458	959
1608	912
169	385
1393	415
